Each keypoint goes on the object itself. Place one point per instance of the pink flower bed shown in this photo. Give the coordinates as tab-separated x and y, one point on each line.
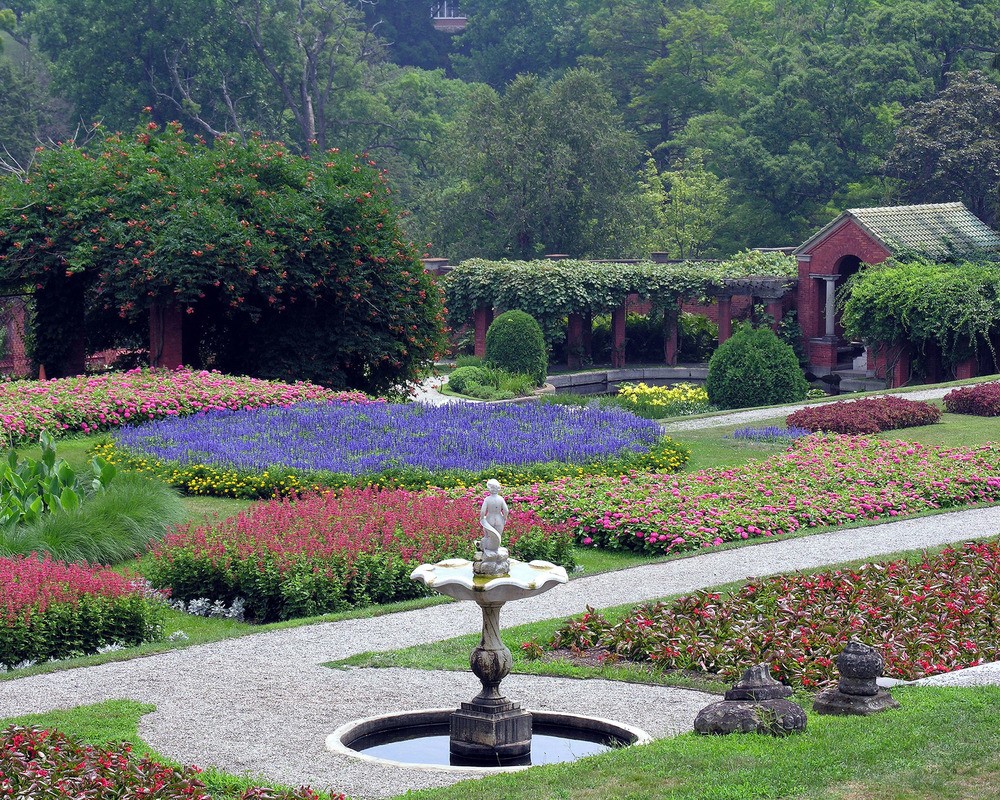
868	415
981	400
819	481
37	763
325	552
94	403
49	609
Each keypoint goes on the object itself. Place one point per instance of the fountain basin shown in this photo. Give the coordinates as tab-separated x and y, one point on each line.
420	740
455	578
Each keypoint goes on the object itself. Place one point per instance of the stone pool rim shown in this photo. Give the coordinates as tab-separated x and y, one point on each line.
383	723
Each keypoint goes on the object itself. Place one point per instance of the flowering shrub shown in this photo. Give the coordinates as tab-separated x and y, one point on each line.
40	763
326	552
819	481
53	610
934	616
257	453
91	403
768	433
657	402
868	415
981	400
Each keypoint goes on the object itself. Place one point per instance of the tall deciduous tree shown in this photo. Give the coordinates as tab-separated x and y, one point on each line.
687	205
949	147
285	266
543	168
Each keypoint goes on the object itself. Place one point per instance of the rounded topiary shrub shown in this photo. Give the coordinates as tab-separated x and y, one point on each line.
754	368
514	342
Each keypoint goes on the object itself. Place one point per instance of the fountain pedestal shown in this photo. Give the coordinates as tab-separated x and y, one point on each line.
490	728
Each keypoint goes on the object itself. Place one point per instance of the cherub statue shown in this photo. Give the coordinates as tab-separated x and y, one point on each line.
491	558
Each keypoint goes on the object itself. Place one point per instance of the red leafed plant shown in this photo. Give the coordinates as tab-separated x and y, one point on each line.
934	616
53	610
324	552
868	415
981	400
44	763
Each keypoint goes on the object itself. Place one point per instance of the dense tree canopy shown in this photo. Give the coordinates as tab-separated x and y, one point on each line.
286	266
796	107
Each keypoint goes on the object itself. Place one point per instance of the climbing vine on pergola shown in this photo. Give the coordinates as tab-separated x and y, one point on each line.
553	290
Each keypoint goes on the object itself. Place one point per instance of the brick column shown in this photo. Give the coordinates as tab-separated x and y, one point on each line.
574	342
890	362
670	337
967	369
165	337
775	308
482	319
588	336
725	317
618	337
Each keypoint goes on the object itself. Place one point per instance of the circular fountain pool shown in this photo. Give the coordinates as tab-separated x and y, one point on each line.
420	739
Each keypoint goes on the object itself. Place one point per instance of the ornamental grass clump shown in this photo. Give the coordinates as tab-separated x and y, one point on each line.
936	615
39	763
51	610
92	403
332	551
981	400
867	415
819	481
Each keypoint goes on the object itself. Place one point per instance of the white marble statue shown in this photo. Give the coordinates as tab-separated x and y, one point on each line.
491	558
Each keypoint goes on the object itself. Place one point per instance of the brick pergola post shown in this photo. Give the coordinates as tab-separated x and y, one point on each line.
165	336
618	337
481	320
967	369
670	336
725	302
574	341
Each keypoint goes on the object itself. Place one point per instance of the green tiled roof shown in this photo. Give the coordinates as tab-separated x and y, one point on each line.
937	229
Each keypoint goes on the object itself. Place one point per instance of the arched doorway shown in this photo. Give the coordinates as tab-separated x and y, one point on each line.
847	350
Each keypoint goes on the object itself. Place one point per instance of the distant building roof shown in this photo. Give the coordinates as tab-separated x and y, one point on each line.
937	229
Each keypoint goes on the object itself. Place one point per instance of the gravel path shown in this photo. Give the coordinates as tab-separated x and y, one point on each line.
263	704
754	415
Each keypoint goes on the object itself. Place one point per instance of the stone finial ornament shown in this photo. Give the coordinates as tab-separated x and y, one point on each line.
756	704
857	692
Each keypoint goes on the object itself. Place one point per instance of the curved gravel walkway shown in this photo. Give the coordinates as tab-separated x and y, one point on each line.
263	704
754	415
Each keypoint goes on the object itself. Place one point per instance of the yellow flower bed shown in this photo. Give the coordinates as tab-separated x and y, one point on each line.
681	394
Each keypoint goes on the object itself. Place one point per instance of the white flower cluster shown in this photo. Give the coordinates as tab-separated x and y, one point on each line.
205	607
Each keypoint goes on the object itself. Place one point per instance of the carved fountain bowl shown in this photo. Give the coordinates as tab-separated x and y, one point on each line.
455	578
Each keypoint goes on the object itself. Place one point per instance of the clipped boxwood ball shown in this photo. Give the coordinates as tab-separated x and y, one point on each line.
754	368
462	377
514	342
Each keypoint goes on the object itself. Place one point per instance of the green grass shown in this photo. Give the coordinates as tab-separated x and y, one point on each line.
115	721
710	447
942	743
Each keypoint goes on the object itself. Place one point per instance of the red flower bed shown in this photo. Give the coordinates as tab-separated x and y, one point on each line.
326	552
868	415
981	400
36	763
53	610
935	616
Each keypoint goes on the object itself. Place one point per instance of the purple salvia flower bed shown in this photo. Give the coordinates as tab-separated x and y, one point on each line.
768	433
358	440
